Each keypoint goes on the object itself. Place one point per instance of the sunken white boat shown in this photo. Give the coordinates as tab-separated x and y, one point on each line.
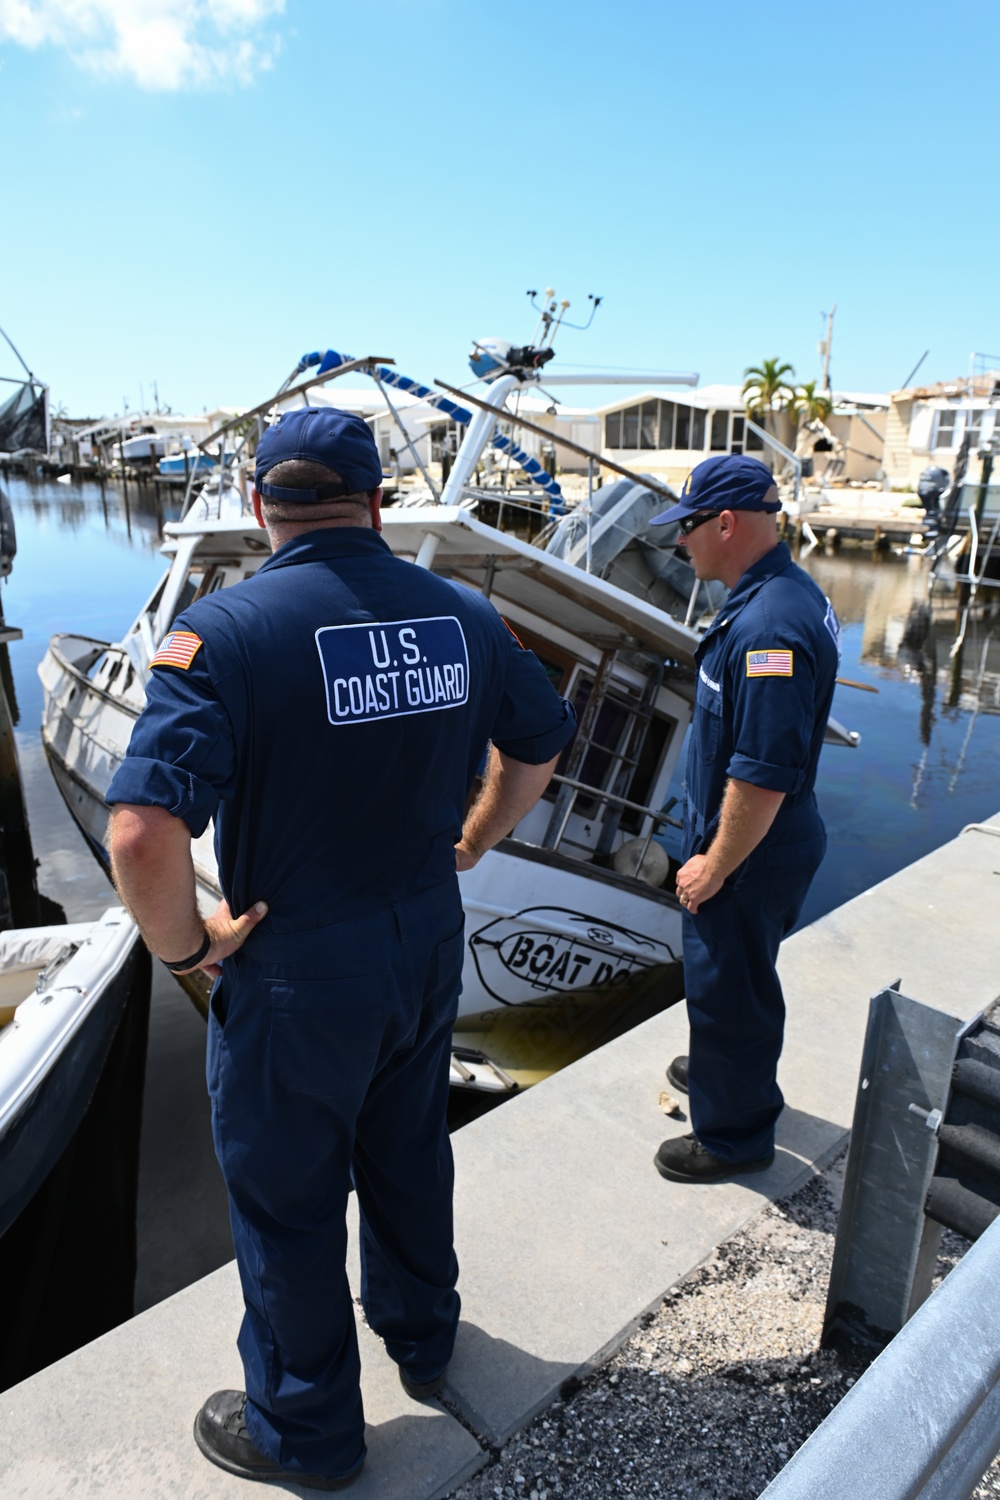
574	903
573	916
566	903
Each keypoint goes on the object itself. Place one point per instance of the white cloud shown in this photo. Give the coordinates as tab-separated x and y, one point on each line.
158	44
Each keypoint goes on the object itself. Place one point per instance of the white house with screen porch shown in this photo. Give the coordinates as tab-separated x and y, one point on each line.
666	438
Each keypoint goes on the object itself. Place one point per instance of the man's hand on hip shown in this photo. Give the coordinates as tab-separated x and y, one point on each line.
228	933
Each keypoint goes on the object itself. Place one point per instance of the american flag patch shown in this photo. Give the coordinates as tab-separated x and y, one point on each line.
177	649
769	664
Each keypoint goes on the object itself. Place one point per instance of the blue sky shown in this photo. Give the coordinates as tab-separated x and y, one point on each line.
198	191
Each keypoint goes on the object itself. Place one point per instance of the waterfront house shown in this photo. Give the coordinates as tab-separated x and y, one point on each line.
927	424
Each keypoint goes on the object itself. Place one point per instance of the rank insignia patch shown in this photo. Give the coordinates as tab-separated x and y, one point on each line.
177	649
769	664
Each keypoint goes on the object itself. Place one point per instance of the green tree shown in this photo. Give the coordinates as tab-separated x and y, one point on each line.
767	387
811	405
768	392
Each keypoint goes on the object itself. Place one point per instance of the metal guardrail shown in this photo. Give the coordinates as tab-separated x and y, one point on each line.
923	1422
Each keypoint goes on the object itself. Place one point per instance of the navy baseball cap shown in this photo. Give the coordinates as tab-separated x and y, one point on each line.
730	481
339	440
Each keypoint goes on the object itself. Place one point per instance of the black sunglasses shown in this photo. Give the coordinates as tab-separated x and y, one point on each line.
691	523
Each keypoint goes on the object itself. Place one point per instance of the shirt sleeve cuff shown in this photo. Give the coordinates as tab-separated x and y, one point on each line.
761	773
536	749
154	783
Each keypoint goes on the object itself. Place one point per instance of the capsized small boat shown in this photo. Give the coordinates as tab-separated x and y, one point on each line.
63	990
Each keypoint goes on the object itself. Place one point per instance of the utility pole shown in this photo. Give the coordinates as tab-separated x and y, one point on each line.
824	348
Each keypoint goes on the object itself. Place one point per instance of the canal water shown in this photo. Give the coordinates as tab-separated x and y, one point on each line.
86	562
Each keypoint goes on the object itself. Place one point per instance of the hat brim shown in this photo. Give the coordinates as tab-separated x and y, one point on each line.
675	513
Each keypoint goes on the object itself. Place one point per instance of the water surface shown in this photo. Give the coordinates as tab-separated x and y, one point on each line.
85	564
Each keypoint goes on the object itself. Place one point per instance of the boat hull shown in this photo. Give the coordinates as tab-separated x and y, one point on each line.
53	1051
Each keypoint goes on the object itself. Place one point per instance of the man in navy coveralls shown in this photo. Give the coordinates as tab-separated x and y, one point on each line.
753	835
330	713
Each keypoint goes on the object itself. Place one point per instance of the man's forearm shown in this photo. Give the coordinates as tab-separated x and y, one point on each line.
746	815
511	789
154	875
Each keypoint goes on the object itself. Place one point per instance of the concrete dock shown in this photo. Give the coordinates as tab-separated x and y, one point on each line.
566	1234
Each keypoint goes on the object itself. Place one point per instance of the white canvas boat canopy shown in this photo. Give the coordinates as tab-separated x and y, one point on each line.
535	585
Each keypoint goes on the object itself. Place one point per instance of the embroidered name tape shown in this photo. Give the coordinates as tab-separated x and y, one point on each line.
769	664
380	671
177	649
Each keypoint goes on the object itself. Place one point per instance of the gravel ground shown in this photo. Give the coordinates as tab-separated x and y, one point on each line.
717	1389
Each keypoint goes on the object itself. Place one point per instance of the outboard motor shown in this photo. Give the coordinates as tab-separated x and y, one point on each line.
930	487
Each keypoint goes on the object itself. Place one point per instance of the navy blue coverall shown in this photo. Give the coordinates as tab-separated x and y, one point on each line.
766	670
332	720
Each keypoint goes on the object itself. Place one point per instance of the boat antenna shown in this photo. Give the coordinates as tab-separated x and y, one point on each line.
26	370
554	314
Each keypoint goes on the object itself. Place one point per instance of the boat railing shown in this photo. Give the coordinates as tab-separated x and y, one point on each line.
976	576
657	818
659	815
791	458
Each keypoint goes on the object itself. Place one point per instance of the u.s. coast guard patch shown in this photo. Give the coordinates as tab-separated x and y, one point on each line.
376	671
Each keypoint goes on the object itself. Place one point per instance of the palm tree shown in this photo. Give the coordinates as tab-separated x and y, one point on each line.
810	405
768	393
767	388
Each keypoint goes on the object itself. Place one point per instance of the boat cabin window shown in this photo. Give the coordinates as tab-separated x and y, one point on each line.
154	603
658	736
198	583
192	584
612	755
112	672
99	667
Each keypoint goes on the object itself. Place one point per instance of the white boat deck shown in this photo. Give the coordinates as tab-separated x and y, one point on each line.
566	1234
